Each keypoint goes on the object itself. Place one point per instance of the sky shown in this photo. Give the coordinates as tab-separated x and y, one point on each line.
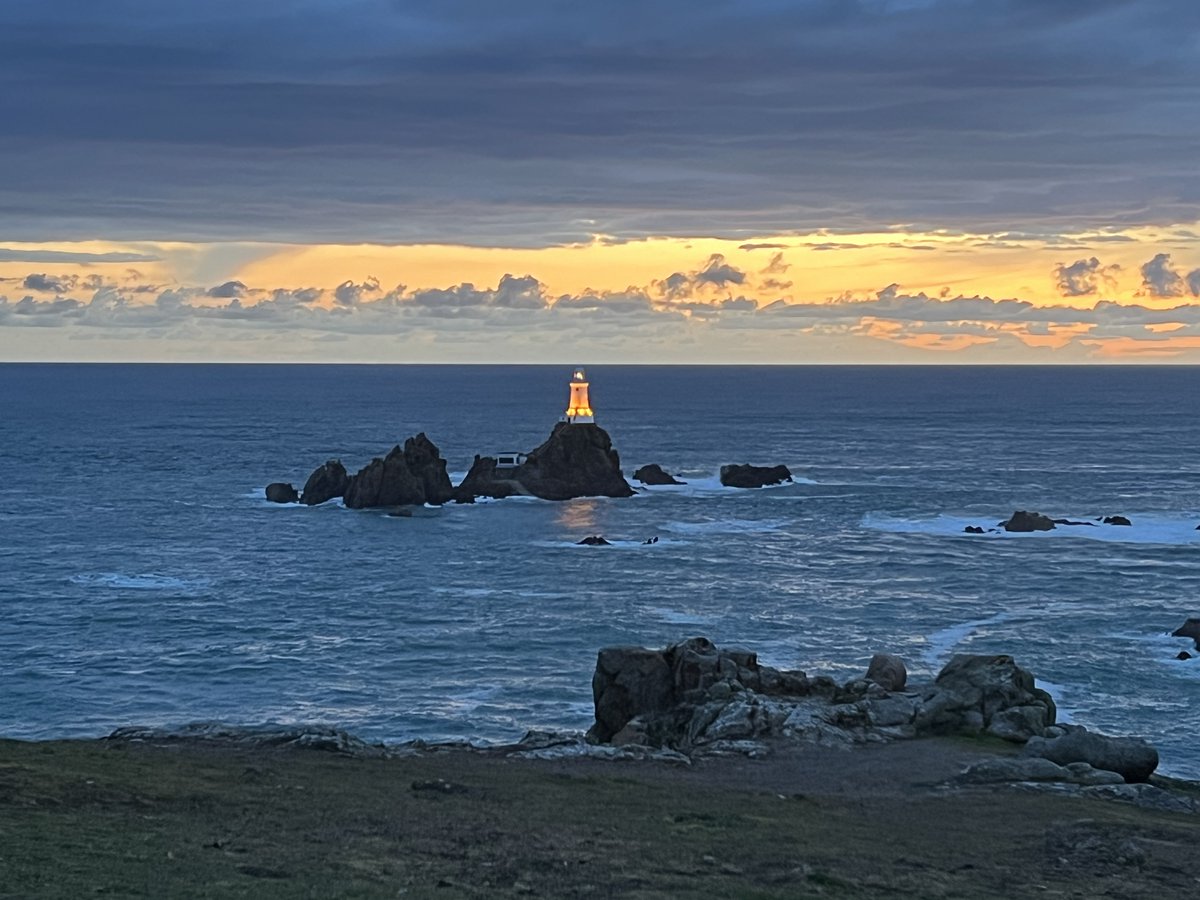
760	181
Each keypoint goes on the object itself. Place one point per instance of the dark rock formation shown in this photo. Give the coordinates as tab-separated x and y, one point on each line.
279	492
577	460
693	696
986	693
411	475
1116	520
1028	521
325	483
887	670
1132	758
747	476
1072	522
594	540
1183	654
655	474
1189	629
973	529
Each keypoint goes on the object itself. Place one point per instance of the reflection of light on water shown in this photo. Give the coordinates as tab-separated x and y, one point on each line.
578	514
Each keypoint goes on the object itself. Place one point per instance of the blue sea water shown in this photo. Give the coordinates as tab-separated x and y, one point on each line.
144	579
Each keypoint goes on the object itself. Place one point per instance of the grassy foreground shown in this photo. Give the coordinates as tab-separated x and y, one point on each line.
93	819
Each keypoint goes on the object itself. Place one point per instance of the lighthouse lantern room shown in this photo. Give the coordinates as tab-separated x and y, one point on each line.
579	409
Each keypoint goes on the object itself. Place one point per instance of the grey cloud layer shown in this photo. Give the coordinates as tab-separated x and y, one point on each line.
537	122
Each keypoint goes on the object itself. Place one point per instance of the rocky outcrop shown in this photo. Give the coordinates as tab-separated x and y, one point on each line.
594	540
693	696
973	529
279	492
989	694
577	460
325	483
1022	521
408	475
747	476
655	474
1132	758
1189	629
1116	520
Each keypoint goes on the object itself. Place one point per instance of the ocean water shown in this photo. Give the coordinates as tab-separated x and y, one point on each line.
144	580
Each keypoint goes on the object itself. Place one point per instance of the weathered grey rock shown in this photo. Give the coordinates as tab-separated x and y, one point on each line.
408	476
1144	795
279	492
1132	758
218	733
1006	768
655	474
747	476
325	483
979	693
1022	521
886	712
887	670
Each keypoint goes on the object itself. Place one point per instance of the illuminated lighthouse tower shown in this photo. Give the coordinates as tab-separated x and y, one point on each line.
579	409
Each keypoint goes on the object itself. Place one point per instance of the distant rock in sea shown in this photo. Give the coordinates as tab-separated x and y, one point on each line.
1116	520
1022	521
747	476
655	474
1073	522
280	492
594	540
410	475
973	529
1189	629
577	460
325	483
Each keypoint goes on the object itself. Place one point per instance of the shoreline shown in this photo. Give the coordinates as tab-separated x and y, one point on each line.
213	817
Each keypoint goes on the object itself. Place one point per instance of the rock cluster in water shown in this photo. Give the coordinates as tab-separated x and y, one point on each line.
655	474
577	460
1023	521
747	476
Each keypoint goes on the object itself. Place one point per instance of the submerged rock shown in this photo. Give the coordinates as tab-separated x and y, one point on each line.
1022	521
973	529
1116	520
412	475
655	474
325	483
280	492
747	476
1072	522
594	540
577	460
1189	629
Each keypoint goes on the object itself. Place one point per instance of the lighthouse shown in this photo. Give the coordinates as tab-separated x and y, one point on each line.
579	409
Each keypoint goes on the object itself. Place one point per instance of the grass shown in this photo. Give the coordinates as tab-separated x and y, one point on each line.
94	819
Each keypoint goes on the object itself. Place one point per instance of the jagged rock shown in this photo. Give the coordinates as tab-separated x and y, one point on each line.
411	475
1028	521
973	529
325	483
747	476
1132	758
1189	629
577	460
279	492
1116	520
655	474
594	540
887	670
986	693
1183	654
628	682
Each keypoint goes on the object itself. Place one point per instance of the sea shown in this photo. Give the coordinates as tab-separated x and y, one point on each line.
145	580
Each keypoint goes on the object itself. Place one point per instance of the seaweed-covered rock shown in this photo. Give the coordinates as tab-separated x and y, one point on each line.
408	475
747	476
325	483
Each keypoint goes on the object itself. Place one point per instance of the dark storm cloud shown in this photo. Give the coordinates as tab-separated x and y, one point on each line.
536	122
1083	277
1160	279
9	254
49	284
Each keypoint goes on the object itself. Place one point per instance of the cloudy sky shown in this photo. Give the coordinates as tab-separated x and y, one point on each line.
781	181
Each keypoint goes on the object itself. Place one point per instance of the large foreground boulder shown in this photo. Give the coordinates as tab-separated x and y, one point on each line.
325	483
1022	521
747	476
990	694
1132	758
577	460
655	474
407	476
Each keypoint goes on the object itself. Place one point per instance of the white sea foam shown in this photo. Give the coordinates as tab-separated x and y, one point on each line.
941	643
1146	529
147	581
727	526
702	485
